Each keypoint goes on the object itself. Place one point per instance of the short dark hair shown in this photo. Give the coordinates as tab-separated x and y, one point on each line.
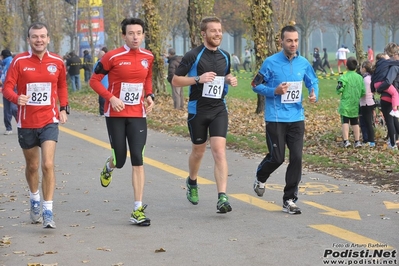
368	66
104	49
351	63
38	26
288	28
171	51
132	21
206	20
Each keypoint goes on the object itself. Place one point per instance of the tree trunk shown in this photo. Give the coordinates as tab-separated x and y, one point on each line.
33	11
358	23
197	10
263	37
153	43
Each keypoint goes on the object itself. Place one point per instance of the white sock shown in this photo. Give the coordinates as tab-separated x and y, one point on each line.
47	205
34	196
261	185
109	169
137	204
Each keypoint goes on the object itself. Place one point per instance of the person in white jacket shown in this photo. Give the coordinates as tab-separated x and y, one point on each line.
341	57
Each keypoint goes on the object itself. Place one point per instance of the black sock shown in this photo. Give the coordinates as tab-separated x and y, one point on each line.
192	182
220	194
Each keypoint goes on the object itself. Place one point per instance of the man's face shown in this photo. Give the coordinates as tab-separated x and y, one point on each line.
38	40
134	36
290	43
213	35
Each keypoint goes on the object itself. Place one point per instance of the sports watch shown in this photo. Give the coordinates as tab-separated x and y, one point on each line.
65	108
197	79
151	95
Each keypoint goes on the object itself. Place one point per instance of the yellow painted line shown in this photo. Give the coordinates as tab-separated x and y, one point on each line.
391	205
269	206
333	212
154	163
349	236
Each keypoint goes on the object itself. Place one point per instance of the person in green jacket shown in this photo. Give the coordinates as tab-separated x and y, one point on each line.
351	88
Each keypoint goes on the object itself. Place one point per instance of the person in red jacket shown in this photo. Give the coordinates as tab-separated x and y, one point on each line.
40	78
128	99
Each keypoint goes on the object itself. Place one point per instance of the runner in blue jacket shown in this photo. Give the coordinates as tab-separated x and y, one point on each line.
280	80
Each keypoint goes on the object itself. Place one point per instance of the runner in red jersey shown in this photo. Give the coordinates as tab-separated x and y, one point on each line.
41	80
128	98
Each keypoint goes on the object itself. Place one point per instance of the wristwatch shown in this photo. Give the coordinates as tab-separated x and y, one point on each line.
151	95
197	79
65	108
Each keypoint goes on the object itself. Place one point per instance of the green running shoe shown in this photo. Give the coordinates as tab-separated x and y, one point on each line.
192	193
105	175
138	216
223	205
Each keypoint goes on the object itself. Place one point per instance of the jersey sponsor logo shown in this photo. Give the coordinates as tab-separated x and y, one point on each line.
52	69
144	63
125	63
29	69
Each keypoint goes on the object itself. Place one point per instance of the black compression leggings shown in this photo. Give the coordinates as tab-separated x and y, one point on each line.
132	129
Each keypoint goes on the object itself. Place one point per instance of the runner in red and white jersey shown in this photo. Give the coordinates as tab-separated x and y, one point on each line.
128	98
44	80
129	78
40	79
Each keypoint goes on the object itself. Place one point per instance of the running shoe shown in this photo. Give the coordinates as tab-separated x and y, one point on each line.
223	205
358	144
8	132
394	147
394	113
48	221
35	212
258	190
290	207
347	144
138	216
105	175
371	144
192	193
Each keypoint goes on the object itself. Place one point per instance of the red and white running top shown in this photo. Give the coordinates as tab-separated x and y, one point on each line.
129	78
44	80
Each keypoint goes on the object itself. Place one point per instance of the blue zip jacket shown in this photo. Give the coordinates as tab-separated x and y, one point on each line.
277	69
6	64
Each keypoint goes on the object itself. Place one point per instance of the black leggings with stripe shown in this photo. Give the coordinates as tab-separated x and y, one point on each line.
132	129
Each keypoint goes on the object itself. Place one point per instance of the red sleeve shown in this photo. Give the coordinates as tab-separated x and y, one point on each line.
95	80
148	81
62	86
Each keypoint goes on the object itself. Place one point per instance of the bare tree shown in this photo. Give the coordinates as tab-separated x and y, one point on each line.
373	13
232	20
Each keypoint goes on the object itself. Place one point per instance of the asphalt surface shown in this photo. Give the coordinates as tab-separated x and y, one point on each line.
340	220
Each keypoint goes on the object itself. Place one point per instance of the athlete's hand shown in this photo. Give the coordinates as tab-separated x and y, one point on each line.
117	104
207	77
63	117
150	104
22	99
312	96
281	89
230	79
